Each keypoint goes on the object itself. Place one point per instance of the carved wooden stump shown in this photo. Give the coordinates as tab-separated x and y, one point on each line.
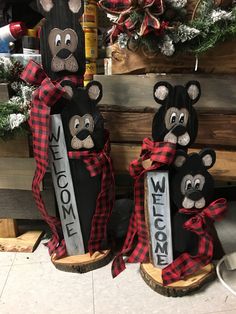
152	276
83	263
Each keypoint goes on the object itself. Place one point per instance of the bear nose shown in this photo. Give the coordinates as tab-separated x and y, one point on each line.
82	135
63	53
179	130
193	194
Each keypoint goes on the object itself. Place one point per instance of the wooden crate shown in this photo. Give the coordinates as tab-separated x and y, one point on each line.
219	60
128	108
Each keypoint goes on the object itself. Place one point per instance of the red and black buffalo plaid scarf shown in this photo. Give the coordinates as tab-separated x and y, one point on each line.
99	163
186	264
160	153
44	97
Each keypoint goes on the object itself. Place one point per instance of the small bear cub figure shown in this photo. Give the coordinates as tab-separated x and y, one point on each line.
176	120
192	187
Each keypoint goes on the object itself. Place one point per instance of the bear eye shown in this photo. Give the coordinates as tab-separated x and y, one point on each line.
58	40
188	185
173	118
181	118
197	184
76	125
68	39
87	123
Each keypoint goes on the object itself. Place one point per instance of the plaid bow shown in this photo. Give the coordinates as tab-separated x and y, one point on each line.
161	153
150	9
96	163
186	264
44	97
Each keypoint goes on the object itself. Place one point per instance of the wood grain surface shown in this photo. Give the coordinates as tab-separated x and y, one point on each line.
215	129
219	60
136	91
223	170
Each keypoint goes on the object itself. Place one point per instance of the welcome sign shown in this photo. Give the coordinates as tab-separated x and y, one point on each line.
157	214
64	189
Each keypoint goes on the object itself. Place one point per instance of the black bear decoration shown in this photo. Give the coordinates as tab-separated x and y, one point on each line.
62	38
192	191
85	139
176	120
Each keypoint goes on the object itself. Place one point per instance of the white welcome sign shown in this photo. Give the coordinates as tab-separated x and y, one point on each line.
64	189
157	212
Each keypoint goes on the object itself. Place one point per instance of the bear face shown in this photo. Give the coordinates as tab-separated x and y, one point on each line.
62	38
192	186
83	124
176	120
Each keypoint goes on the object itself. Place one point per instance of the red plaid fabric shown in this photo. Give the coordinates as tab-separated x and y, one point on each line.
186	264
161	153
44	97
151	9
96	163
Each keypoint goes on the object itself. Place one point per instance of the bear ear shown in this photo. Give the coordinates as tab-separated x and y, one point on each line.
194	90
180	158
161	91
45	6
75	6
94	90
208	157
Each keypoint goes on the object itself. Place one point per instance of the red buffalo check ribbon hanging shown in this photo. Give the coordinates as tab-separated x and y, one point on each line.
161	154
125	23
44	97
99	163
186	264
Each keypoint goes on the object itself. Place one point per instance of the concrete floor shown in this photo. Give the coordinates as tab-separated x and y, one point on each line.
29	283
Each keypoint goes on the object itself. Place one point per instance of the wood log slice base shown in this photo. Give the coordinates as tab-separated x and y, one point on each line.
83	263
152	276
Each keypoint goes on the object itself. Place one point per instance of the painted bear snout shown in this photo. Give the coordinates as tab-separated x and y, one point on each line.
179	130
194	194
63	54
82	135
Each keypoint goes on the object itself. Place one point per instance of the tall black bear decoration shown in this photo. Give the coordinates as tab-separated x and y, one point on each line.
175	124
60	91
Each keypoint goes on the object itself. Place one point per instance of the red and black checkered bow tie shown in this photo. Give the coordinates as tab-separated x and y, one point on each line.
186	264
44	97
150	9
161	153
96	163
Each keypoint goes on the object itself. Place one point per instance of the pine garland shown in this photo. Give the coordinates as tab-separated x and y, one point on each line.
14	113
210	26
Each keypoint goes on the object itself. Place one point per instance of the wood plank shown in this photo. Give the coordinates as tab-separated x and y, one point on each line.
220	59
15	147
16	173
223	170
136	91
8	228
214	128
157	217
26	243
19	204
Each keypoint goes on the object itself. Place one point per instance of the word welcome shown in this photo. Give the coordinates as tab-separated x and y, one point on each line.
64	190
158	210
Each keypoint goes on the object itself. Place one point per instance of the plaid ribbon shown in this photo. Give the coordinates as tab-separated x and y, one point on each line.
99	163
44	97
125	24
186	264
161	153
